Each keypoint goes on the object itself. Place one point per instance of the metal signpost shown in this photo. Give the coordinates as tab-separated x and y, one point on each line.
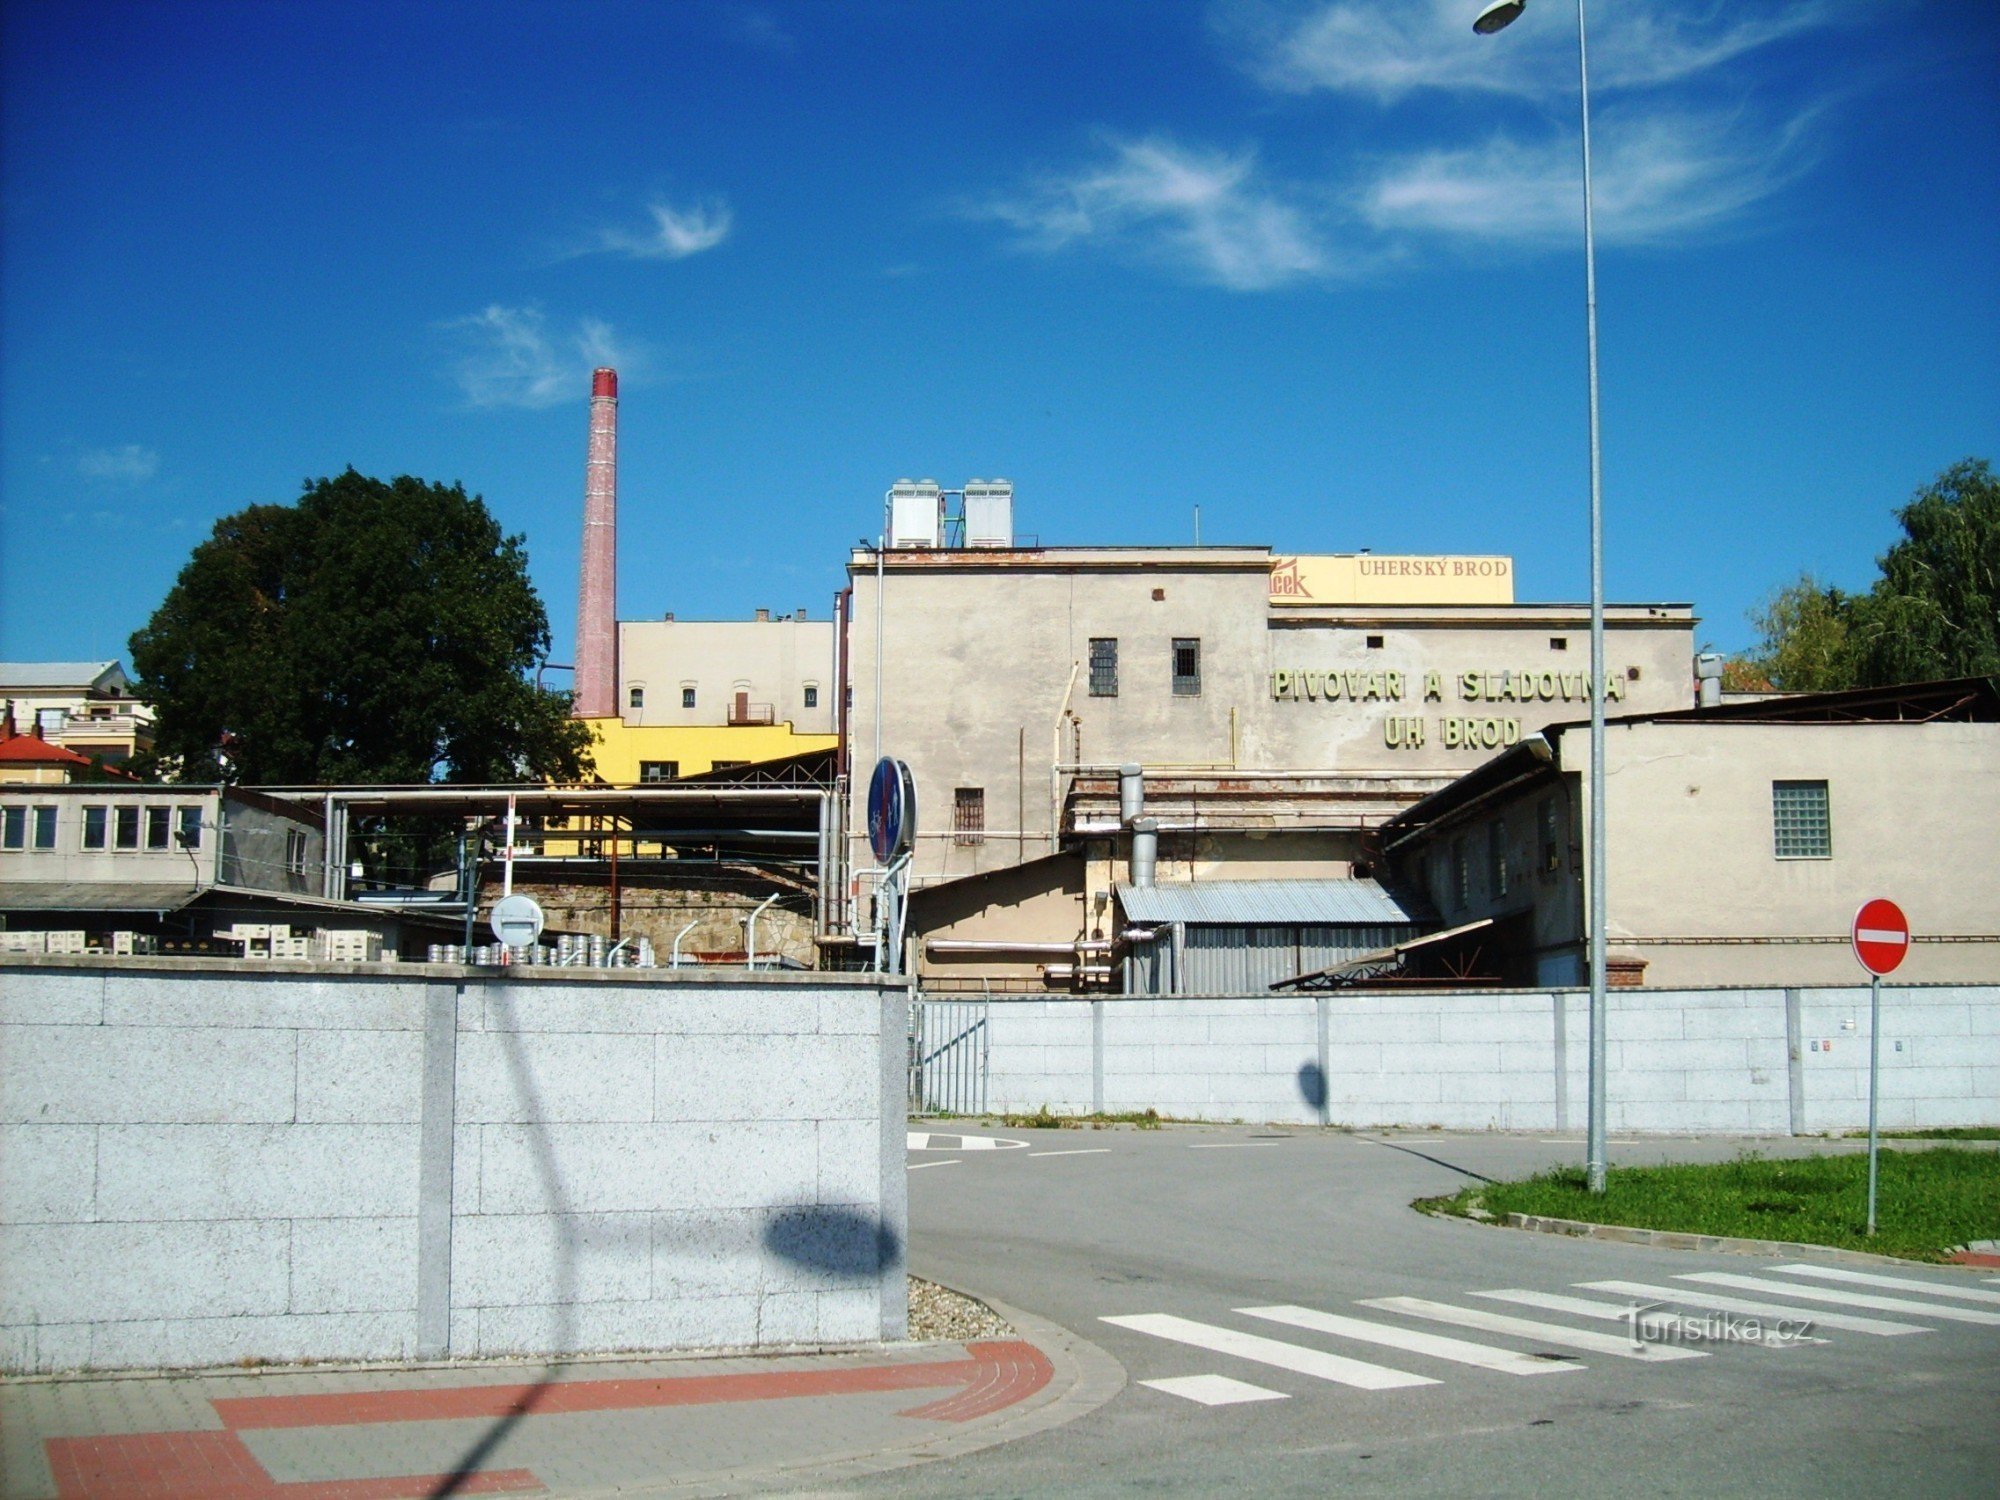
1881	939
892	834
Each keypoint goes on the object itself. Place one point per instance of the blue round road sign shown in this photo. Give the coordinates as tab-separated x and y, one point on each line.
892	809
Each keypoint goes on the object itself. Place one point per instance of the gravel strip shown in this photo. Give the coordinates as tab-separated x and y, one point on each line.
938	1314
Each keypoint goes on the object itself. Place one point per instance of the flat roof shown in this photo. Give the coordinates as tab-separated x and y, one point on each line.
1266	902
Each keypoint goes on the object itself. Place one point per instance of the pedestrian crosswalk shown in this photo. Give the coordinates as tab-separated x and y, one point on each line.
1783	1307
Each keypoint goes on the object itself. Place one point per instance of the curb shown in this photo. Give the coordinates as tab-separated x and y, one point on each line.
1085	1379
1668	1239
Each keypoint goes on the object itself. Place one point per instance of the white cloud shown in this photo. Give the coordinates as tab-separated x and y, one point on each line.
1386	49
509	357
127	463
676	233
1653	177
1206	214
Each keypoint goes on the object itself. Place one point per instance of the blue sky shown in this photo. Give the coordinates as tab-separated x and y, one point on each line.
1315	268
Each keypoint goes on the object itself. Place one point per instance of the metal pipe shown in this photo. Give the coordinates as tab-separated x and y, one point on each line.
1145	852
677	941
750	933
1131	793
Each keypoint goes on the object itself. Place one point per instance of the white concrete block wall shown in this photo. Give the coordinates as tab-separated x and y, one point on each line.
1712	1060
201	1167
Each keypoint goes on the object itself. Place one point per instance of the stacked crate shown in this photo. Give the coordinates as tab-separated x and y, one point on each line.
350	945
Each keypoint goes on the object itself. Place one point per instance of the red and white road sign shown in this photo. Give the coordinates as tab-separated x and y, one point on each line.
1881	936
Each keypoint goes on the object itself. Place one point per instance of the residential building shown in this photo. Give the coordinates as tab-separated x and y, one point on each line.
85	706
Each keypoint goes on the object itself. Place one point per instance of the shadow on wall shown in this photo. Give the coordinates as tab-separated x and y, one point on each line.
834	1242
1312	1085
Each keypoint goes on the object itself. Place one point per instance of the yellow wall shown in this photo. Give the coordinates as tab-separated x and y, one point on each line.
697	747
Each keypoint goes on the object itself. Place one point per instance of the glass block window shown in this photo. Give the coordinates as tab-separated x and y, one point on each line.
659	770
968	815
1187	668
1802	827
1103	666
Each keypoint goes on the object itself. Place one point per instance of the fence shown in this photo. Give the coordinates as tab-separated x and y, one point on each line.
948	1057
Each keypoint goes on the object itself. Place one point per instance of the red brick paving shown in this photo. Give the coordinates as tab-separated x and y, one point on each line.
1009	1371
216	1466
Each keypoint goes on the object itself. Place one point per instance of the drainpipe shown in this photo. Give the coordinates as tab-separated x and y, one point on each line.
1145	851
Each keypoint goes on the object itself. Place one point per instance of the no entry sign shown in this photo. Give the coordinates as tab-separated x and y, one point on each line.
1881	936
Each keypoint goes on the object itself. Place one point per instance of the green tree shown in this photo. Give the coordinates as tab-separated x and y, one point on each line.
373	632
1934	611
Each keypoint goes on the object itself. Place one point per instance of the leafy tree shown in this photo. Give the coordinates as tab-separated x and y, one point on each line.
1933	613
373	632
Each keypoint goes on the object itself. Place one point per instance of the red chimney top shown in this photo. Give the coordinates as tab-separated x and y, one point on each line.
604	383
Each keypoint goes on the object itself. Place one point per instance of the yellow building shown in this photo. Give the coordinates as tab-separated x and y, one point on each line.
641	755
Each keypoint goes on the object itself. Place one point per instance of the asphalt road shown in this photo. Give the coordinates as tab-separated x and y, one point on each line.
1179	1230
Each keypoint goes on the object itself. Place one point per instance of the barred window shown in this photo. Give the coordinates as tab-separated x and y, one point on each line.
1802	826
1104	666
968	815
1187	668
659	770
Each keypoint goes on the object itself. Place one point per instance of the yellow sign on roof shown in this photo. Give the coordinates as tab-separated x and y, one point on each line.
1381	578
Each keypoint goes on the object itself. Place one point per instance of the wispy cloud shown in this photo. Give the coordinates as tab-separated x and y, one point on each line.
1385	49
508	356
1654	178
676	233
1209	215
127	463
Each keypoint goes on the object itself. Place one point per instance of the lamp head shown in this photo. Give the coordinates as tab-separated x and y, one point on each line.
1500	14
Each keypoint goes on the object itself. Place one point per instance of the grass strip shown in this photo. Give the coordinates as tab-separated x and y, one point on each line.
1928	1202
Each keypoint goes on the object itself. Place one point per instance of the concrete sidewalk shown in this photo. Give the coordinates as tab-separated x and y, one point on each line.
686	1425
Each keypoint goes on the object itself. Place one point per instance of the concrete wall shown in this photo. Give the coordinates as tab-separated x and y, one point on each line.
202	1166
774	661
1752	1060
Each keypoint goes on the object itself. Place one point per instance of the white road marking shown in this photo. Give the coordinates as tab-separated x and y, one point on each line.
1882	1327
1415	1341
1845	1299
1545	1333
1215	1390
1230	1145
1623	1312
1299	1360
1080	1151
918	1166
931	1140
1894	1283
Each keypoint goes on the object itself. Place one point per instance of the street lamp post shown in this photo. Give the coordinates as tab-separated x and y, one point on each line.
1491	19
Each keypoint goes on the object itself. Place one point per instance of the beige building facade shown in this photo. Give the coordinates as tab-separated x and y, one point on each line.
1280	707
703	673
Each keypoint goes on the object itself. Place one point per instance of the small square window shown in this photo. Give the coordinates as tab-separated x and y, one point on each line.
159	821
1801	821
125	827
635	697
1187	668
95	826
1558	643
687	697
968	815
812	695
1374	643
1104	666
659	770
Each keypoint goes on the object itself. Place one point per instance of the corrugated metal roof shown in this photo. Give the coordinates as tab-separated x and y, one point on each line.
1256	902
92	895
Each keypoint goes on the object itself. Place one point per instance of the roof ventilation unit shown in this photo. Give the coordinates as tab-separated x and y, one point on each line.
989	513
916	514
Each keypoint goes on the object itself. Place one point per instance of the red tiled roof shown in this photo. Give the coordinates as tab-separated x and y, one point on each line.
32	749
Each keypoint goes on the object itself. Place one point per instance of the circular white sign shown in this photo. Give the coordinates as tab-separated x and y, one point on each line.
517	920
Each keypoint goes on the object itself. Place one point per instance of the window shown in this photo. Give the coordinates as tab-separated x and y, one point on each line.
94	827
729	765
1558	643
188	835
1802	826
812	695
659	770
635	697
1374	643
1103	667
45	828
1551	849
1187	668
125	827
1496	859
687	697
968	815
158	821
14	828
295	852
